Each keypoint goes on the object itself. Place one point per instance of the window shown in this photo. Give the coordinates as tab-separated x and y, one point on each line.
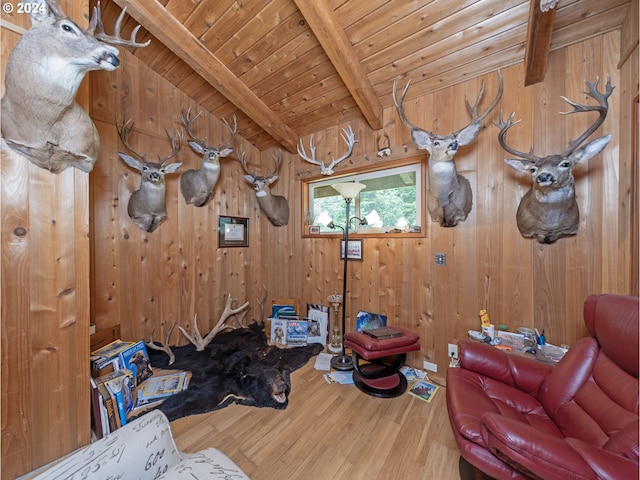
391	201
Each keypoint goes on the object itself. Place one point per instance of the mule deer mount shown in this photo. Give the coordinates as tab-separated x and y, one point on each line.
449	199
197	185
40	117
549	209
276	207
349	138
147	205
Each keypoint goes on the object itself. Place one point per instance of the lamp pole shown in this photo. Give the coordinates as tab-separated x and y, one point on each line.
348	190
343	362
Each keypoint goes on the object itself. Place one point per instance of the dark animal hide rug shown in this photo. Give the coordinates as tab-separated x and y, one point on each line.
238	366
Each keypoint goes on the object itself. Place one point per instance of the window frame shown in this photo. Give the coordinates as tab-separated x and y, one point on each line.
347	175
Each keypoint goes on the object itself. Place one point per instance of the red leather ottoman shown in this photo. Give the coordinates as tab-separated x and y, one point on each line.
377	362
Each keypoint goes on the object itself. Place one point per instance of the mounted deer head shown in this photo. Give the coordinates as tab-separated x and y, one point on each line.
40	117
275	207
449	198
197	185
349	138
549	209
146	205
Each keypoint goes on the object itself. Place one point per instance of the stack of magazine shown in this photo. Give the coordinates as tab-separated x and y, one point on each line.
123	384
288	328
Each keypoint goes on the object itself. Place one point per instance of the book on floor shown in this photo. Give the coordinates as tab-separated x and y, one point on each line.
136	358
423	390
160	387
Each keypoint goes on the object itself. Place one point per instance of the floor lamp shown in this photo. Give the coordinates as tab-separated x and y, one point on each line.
348	191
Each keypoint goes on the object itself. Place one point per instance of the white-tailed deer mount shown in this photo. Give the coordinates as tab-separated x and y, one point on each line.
197	185
276	207
549	209
40	117
349	138
449	198
147	206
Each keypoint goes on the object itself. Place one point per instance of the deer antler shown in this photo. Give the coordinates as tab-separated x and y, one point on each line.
163	347
201	342
602	108
503	141
54	7
473	111
233	131
175	146
243	163
124	129
349	138
400	105
262	302
116	39
187	121
277	159
302	152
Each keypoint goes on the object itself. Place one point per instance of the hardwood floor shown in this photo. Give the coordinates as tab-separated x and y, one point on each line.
330	432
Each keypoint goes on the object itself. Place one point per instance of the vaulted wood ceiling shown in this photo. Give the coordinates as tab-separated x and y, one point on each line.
288	68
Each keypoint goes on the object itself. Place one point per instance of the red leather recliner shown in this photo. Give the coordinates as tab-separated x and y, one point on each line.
514	417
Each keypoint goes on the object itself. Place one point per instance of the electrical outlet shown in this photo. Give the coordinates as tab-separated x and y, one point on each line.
441	259
432	367
453	350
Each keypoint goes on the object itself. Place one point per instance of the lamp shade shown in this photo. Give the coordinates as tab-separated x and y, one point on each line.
402	224
348	190
325	219
373	219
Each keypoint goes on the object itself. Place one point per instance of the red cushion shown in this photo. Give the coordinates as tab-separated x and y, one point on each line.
367	342
369	348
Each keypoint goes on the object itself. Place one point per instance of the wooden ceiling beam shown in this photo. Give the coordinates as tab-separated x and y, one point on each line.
539	34
175	36
325	25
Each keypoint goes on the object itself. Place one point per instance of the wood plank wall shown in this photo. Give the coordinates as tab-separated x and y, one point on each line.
489	264
45	302
144	279
141	280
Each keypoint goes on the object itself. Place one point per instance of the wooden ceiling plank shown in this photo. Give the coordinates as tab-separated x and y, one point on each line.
325	25
279	61
508	27
182	42
472	24
595	25
287	30
425	23
538	44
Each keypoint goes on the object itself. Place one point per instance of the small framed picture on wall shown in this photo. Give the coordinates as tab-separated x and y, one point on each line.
233	232
354	252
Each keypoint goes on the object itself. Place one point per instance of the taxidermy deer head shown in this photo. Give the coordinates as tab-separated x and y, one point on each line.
197	185
549	209
146	205
275	207
349	138
40	117
449	198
